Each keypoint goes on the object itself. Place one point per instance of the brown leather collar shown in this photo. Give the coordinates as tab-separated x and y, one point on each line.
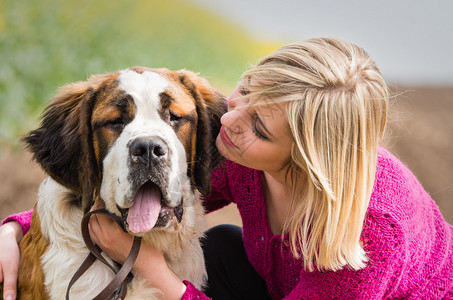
117	288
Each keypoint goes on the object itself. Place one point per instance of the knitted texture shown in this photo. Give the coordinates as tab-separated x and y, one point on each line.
192	292
23	218
407	241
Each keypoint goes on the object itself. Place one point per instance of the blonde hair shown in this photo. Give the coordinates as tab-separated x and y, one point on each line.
337	110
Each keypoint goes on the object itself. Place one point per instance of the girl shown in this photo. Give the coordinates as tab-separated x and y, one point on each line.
326	212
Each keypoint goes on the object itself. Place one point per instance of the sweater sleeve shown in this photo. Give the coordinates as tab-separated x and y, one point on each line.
192	293
23	218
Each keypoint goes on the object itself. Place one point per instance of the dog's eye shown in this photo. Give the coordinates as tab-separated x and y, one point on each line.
175	118
116	123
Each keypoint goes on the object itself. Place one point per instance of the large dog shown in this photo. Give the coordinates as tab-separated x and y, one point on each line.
140	140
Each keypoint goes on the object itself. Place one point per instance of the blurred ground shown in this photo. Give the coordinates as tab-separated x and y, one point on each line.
420	134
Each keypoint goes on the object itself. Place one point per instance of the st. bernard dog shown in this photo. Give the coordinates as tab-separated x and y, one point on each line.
140	140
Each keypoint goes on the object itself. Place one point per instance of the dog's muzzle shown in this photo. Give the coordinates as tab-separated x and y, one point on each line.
149	203
164	216
149	210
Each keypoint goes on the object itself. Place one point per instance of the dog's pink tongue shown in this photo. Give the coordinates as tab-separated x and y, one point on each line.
144	212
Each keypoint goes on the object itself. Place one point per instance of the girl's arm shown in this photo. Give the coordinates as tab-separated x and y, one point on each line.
11	232
10	236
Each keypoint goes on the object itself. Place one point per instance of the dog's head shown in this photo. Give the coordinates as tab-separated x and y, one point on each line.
138	139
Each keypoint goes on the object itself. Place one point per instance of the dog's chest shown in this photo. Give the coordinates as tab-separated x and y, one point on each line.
66	251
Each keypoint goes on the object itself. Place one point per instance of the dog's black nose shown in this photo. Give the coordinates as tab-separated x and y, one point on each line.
147	150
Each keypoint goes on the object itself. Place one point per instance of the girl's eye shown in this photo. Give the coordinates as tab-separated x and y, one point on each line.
255	129
243	91
258	133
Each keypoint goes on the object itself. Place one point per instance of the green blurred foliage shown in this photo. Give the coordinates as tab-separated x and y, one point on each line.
45	44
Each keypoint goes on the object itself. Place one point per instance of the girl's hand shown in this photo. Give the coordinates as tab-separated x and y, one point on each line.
10	235
109	236
150	264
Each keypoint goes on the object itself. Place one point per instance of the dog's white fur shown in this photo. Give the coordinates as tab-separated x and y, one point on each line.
116	187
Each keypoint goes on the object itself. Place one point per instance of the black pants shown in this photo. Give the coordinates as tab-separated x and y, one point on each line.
230	274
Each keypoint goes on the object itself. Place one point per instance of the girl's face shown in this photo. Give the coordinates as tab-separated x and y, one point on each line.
255	136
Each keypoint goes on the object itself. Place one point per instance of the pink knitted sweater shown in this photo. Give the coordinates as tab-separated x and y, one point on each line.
408	243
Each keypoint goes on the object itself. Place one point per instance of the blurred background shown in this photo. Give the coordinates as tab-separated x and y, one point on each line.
46	44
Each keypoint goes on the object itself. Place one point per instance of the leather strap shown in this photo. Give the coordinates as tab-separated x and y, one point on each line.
117	288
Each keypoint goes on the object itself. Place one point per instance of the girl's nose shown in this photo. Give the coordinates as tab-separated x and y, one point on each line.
232	121
234	118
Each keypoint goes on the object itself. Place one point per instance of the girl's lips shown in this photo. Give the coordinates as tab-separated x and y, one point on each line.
226	140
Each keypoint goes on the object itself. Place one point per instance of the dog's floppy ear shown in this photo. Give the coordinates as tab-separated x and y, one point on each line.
211	106
57	145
